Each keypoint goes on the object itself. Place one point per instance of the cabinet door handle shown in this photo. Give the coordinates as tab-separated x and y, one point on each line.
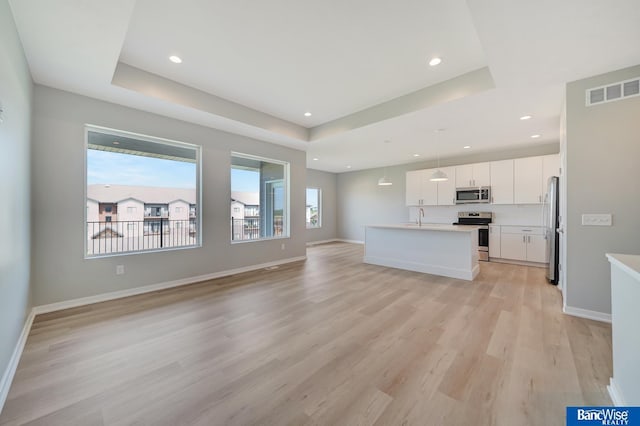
524	239
528	239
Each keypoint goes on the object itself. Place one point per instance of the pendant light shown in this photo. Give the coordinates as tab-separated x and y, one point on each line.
384	181
438	175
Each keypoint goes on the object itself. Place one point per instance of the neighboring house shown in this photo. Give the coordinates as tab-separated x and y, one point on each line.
245	215
129	212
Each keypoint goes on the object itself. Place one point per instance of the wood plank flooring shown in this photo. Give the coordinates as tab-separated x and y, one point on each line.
329	341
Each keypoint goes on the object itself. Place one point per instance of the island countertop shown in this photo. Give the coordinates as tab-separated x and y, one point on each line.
429	227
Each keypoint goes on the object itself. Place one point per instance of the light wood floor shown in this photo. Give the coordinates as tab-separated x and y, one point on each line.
328	341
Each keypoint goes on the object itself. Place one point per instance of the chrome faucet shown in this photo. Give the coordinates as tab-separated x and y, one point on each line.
420	216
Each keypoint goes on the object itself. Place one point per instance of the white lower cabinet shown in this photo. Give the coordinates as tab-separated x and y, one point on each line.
494	241
522	243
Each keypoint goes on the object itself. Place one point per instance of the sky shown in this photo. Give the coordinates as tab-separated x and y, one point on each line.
312	197
114	168
104	167
245	180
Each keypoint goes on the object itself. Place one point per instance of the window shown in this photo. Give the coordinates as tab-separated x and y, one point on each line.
124	169
262	184
313	208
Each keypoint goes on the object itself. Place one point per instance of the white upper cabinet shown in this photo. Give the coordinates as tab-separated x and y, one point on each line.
420	191
528	180
482	174
519	181
464	176
502	182
429	189
477	174
413	188
447	189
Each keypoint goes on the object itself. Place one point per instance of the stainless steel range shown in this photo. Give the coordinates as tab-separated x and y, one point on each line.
481	219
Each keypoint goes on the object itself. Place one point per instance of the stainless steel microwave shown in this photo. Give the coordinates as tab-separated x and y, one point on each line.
474	195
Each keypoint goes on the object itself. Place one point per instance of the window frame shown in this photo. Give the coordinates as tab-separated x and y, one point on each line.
152	139
319	225
286	222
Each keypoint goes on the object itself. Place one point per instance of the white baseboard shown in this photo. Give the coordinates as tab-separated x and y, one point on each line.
585	313
74	303
517	262
615	394
315	243
10	371
342	240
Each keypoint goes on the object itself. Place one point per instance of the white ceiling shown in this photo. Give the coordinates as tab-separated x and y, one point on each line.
258	66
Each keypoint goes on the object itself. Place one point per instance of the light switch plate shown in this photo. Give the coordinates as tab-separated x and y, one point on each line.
596	219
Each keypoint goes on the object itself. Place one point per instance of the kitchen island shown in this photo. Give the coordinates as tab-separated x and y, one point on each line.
447	250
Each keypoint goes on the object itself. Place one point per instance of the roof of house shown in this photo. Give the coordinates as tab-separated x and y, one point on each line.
147	194
246	198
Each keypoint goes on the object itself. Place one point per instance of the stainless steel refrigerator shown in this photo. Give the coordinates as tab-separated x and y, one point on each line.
551	225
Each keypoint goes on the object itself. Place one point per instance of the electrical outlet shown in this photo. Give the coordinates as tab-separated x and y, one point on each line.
596	219
119	269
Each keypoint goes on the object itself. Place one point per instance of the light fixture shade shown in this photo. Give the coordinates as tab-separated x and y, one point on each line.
439	176
383	181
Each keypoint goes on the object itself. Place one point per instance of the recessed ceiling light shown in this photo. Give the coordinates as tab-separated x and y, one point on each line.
116	143
175	59
416	155
525	117
466	147
348	167
315	159
435	61
307	114
535	136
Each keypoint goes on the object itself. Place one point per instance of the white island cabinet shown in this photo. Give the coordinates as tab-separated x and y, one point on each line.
447	250
625	317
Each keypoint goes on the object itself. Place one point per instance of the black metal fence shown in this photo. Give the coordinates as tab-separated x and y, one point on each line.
142	235
249	228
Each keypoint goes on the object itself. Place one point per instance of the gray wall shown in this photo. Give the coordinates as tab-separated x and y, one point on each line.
603	176
361	201
60	271
327	182
15	97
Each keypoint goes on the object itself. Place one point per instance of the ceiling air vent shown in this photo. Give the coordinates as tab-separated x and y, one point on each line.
613	92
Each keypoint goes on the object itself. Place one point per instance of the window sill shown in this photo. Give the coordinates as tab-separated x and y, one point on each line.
260	240
130	253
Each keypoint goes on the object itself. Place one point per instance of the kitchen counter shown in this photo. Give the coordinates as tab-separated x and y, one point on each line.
624	387
438	249
630	263
430	227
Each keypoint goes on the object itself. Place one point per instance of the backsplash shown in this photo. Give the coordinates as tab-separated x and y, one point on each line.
523	214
